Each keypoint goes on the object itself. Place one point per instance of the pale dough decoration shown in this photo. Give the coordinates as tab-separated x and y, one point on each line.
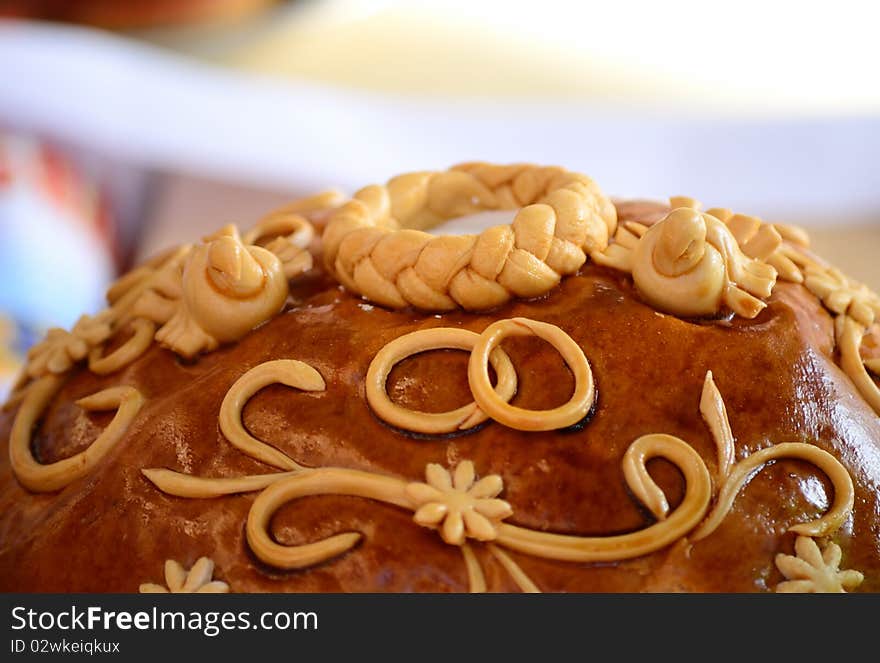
61	349
288	221
227	289
856	308
733	476
690	264
842	295
462	418
127	401
337	481
619	253
849	335
134	347
458	505
151	287
516	573
488	401
668	528
180	581
291	233
684	201
375	244
770	242
743	471
290	372
714	414
476	578
322	481
187	485
568	414
812	570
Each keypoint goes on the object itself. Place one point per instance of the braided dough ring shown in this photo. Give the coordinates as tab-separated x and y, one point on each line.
519	418
375	244
467	416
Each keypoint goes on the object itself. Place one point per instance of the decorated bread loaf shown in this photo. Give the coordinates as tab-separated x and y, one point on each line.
596	396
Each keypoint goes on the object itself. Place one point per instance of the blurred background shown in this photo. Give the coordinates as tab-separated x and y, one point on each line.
129	126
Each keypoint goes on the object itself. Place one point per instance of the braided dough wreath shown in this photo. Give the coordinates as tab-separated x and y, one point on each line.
375	244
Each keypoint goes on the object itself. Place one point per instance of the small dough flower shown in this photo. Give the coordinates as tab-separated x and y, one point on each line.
842	294
815	571
61	349
180	581
458	505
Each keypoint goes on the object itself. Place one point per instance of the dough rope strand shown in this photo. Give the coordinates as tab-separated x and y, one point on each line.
375	244
35	476
289	372
568	414
462	418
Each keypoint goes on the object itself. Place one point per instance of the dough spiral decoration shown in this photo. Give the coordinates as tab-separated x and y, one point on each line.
433	423
375	244
39	478
568	414
690	264
227	288
489	402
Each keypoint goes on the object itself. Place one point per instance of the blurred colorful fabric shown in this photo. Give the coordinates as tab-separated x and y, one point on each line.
58	248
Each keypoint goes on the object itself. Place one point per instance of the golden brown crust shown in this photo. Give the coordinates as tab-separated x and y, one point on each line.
114	530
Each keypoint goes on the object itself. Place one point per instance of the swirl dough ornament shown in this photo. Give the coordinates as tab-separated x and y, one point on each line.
227	289
489	401
127	401
690	264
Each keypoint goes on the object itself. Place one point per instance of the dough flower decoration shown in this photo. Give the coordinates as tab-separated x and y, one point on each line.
180	581
856	309
690	264
457	504
375	244
61	349
141	300
842	295
811	570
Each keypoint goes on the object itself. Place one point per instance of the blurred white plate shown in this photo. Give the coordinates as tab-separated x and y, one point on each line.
142	106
